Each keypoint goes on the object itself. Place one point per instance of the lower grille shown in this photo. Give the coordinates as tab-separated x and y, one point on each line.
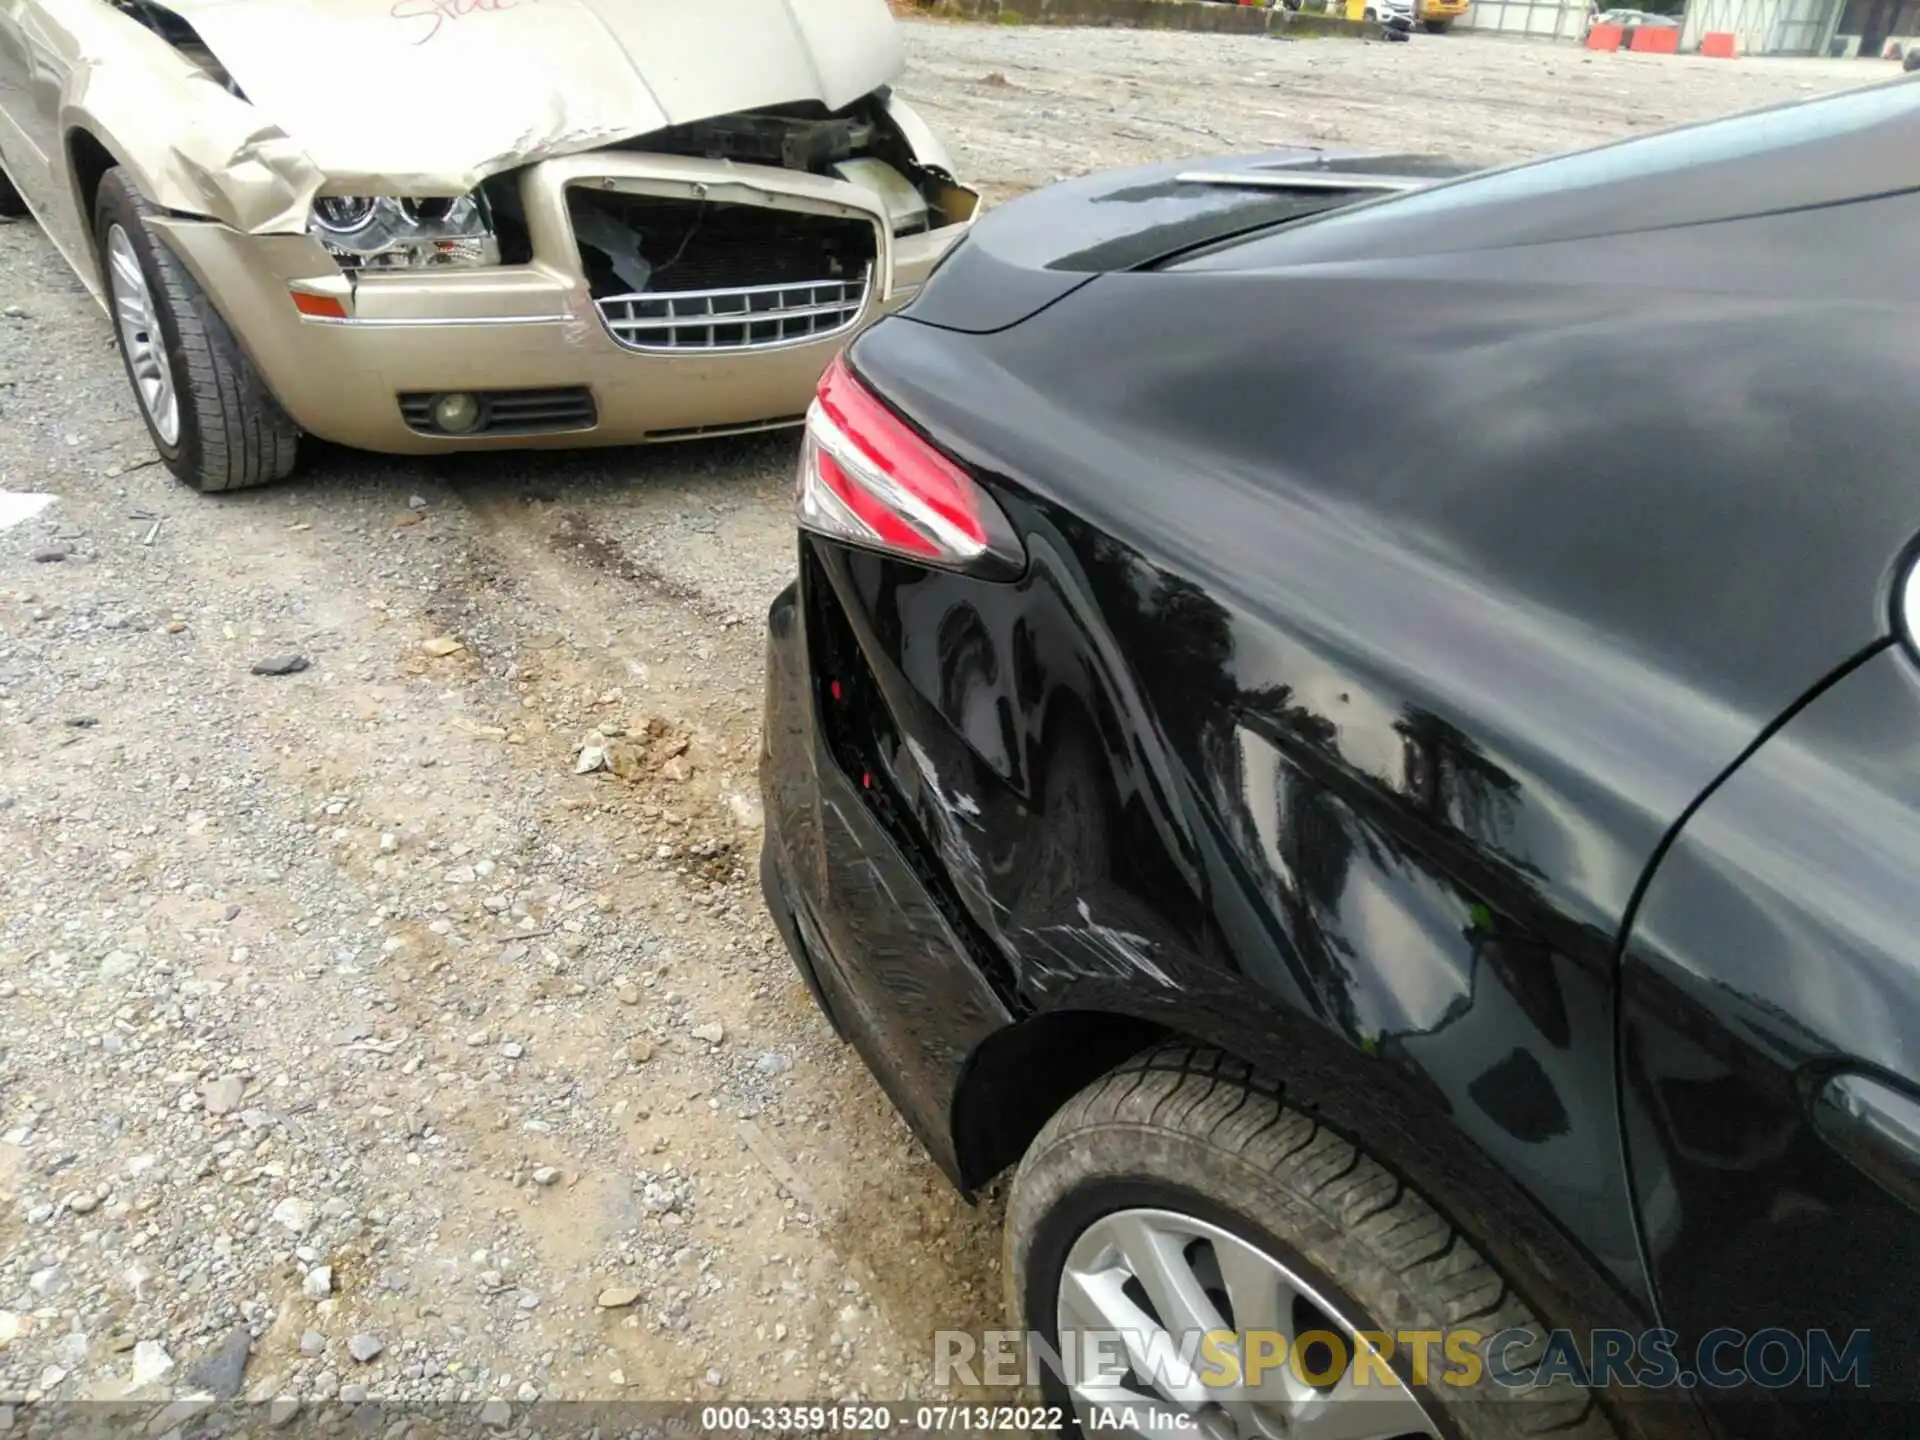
734	319
508	412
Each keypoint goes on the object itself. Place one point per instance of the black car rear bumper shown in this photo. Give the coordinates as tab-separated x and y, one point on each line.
868	937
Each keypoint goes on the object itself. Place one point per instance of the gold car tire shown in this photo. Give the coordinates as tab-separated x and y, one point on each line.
1191	1143
211	417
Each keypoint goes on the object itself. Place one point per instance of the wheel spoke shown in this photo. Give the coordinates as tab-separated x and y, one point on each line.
1099	1301
128	310
1262	1300
1157	1257
126	269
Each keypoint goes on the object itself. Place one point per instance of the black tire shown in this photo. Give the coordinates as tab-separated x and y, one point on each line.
1196	1132
232	432
12	206
1437	27
1912	60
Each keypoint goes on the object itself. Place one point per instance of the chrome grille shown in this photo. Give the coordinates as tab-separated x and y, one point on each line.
742	317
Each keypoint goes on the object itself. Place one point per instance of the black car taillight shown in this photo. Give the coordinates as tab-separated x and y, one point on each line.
867	478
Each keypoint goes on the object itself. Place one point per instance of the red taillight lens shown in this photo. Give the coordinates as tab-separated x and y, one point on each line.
867	478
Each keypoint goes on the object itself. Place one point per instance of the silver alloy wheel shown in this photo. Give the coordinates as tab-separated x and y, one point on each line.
1196	1279
146	349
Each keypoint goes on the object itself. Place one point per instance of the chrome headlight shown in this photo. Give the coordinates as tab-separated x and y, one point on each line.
380	232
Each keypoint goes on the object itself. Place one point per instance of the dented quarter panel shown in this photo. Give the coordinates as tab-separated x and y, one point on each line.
1392	608
1147	839
1307	732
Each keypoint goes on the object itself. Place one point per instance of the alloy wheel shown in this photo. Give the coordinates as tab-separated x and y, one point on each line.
139	322
1143	1286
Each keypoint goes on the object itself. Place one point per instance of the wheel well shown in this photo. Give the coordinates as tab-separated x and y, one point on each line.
88	161
1021	1075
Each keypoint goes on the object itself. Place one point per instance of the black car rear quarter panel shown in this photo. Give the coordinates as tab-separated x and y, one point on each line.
1160	844
1314	731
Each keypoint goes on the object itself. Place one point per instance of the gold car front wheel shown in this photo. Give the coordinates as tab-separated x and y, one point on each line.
211	417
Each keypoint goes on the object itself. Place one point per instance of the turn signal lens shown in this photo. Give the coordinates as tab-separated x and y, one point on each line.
867	478
320	307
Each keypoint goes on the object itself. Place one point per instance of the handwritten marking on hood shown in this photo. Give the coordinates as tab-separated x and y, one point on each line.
435	13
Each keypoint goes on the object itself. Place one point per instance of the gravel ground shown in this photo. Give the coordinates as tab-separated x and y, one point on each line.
350	1042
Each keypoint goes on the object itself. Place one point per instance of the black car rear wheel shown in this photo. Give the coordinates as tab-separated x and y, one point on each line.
1177	1196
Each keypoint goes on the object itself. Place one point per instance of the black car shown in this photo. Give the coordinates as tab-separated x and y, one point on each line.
1357	727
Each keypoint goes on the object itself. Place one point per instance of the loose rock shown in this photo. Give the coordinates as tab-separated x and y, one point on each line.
223	1371
618	1297
281	665
294	1214
365	1348
150	1362
224	1095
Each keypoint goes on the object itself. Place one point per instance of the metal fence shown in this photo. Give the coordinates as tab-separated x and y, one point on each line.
1765	27
1536	19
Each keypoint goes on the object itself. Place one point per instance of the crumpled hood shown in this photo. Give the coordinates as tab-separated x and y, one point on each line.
435	95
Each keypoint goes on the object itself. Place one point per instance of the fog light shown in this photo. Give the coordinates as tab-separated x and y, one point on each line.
457	414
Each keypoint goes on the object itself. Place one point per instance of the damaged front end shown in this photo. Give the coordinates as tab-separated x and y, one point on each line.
797	224
735	183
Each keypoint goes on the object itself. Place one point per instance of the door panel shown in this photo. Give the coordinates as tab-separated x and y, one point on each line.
1771	1053
16	92
33	73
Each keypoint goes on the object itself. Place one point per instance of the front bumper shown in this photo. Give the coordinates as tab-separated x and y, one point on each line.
533	326
872	944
